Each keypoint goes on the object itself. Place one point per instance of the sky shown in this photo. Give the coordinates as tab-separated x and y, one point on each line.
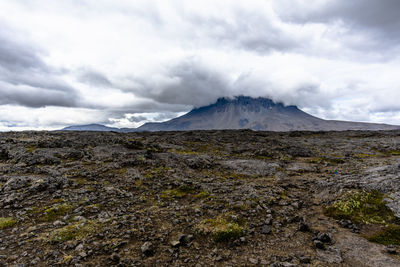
122	63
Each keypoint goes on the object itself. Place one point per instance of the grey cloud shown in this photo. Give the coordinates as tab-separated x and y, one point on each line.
16	56
379	19
25	79
94	78
137	118
256	32
34	97
304	94
165	116
187	83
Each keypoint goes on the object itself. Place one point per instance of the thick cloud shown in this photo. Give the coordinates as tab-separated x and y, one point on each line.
382	16
375	22
25	79
137	118
17	57
34	96
187	83
94	78
251	30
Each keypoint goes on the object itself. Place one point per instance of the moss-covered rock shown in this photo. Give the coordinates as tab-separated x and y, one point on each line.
362	207
54	212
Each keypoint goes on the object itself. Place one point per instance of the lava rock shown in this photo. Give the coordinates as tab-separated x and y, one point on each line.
319	244
391	250
147	249
115	257
303	227
266	229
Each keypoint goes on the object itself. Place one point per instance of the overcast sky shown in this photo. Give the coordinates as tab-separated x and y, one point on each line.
123	62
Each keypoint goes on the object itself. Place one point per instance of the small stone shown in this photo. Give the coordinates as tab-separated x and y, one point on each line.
79	247
324	237
147	249
35	261
265	229
253	261
58	223
183	239
175	243
355	229
391	250
303	227
318	244
79	219
115	257
189	238
304	259
345	223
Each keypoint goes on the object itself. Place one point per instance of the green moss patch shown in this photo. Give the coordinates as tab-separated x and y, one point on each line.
76	231
220	229
52	213
390	235
31	149
202	194
179	192
7	222
365	155
394	153
156	172
183	151
362	207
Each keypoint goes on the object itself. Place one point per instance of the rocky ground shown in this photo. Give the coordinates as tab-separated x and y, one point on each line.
201	198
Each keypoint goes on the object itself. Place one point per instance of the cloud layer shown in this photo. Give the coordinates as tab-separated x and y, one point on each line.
124	63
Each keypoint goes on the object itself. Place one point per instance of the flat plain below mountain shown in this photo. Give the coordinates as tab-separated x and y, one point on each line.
200	198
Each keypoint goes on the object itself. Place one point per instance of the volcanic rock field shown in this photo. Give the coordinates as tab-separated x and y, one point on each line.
200	198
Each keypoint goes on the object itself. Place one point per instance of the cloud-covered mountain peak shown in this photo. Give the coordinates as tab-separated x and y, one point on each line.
243	112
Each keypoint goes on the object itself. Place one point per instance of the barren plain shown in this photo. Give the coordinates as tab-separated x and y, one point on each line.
200	198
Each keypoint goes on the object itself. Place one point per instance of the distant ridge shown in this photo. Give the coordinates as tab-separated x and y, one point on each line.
243	112
97	128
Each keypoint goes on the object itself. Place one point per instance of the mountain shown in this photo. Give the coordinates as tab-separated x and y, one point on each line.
244	112
97	128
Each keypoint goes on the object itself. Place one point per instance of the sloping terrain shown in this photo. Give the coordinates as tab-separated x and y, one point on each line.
200	198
